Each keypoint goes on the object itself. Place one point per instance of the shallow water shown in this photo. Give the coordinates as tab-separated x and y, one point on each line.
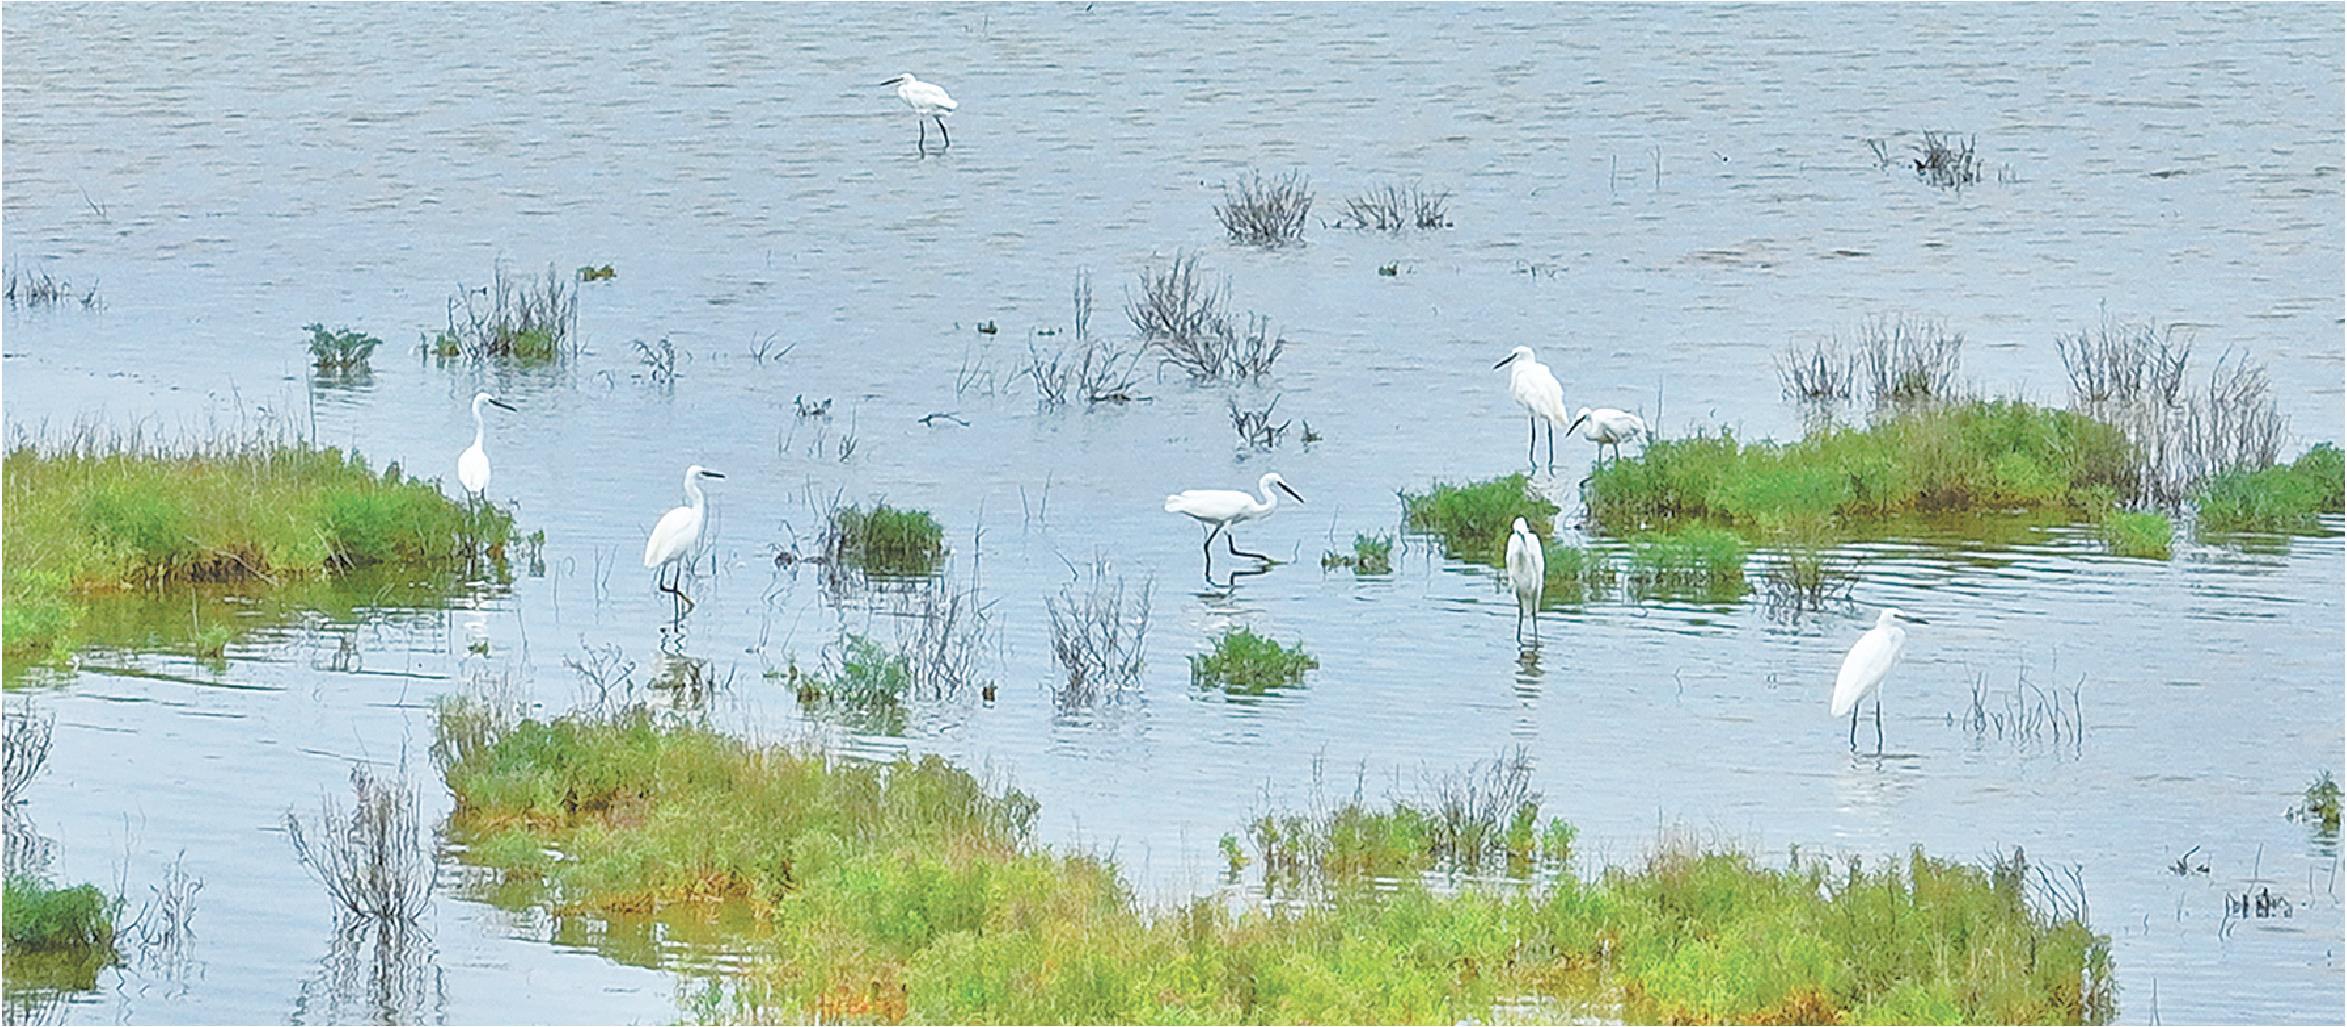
1658	199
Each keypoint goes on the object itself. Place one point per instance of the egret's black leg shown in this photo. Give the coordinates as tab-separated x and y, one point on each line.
1878	725
1532	444
1233	543
941	130
1552	448
924	127
1853	729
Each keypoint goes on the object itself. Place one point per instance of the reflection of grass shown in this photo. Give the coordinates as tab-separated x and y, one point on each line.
99	517
1245	663
2144	535
1693	560
2284	497
1576	573
1474	519
912	892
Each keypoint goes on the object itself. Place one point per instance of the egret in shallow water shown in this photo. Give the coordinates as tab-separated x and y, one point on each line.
1221	508
1869	662
1608	427
1536	390
678	532
1527	574
472	465
929	103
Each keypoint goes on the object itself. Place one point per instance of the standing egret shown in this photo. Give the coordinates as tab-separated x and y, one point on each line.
1536	390
678	532
1527	574
1221	508
1863	670
1608	427
929	103
472	465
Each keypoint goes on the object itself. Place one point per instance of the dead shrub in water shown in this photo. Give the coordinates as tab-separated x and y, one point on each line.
2135	376
24	751
1255	427
1187	321
1819	371
945	649
1260	211
28	288
511	319
374	858
1092	373
1392	208
2124	362
2029	714
1909	360
1099	628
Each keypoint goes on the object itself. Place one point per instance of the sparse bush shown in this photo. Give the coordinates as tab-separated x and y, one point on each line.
659	360
374	858
1909	360
1260	211
2146	535
1816	372
512	319
952	631
1256	429
1473	520
1188	322
1394	207
340	351
866	684
885	540
1099	629
1245	663
1945	160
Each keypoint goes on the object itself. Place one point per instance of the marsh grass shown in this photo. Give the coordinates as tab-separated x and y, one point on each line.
340	351
1393	207
2282	498
1099	633
1692	560
1983	456
29	289
1188	322
1257	210
1242	662
884	540
1371	554
1908	360
2318	807
514	319
98	514
375	856
910	891
2026	714
1473	519
2144	535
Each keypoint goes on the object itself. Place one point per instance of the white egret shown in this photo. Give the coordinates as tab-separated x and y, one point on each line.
929	103
472	465
1536	390
679	531
1863	670
1608	427
1221	508
1527	574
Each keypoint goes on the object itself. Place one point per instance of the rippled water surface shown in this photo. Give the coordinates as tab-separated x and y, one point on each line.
1657	198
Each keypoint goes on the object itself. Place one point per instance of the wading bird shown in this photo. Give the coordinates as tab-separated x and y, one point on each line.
1608	427
677	533
1221	508
1527	574
1863	670
472	465
929	103
1536	390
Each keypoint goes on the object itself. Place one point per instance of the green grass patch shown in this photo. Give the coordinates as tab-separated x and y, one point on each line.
44	918
2284	497
1979	457
514	319
2145	535
1695	559
865	688
100	518
1245	663
911	892
340	350
1372	554
885	540
2320	805
1473	520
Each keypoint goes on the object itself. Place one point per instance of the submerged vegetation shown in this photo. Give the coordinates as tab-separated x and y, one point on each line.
2319	807
1257	210
2146	535
1473	519
28	288
1393	207
884	540
513	319
910	891
1371	554
1188	322
1245	663
342	351
97	515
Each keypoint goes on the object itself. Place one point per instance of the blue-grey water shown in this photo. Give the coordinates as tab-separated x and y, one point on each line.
1657	198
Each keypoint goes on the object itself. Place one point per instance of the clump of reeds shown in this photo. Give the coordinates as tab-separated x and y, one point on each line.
1265	211
1087	370
2027	714
1099	631
1909	360
30	288
341	351
1942	159
1371	554
1576	574
1818	371
514	319
1242	662
1393	207
1255	427
375	857
884	540
46	918
2282	498
1187	321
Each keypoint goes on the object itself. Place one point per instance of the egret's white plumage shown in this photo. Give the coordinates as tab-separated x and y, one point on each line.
1534	388
1527	572
472	465
928	101
1863	670
679	530
1218	509
1608	426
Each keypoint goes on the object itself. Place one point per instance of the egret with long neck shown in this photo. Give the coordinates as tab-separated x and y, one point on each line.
678	532
1535	389
472	465
1219	509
